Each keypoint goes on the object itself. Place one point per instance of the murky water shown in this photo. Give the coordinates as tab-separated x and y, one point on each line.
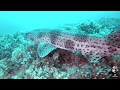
13	21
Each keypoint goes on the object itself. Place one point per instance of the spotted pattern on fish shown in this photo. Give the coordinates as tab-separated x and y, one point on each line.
93	48
54	36
80	38
69	44
113	42
114	39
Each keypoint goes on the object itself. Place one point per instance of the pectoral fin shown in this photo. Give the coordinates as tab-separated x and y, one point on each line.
44	49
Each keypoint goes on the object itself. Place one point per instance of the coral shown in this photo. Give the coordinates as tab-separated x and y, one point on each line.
19	58
13	53
20	55
111	23
99	28
24	63
89	28
9	42
6	46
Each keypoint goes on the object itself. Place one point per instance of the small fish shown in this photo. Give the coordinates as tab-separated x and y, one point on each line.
93	48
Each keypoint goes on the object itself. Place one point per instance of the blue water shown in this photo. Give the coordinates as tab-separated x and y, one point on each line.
13	21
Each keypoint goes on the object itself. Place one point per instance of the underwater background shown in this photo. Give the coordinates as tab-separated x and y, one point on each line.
19	58
13	21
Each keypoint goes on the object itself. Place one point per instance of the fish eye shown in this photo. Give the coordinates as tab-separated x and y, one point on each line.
29	33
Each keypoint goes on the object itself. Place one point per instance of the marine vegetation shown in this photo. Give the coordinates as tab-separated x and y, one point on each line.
89	51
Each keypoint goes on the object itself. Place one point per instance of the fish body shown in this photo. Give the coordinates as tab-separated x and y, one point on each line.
93	48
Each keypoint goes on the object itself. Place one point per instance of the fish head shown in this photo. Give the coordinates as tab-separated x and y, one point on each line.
33	36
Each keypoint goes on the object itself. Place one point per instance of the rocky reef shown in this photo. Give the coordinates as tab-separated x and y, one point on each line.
19	58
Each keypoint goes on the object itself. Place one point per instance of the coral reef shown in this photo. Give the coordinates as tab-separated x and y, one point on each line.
19	58
99	28
90	27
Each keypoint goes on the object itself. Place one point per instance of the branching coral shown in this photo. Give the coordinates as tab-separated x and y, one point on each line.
20	55
6	46
89	28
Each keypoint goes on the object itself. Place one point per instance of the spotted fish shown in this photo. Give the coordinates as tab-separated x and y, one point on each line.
93	48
